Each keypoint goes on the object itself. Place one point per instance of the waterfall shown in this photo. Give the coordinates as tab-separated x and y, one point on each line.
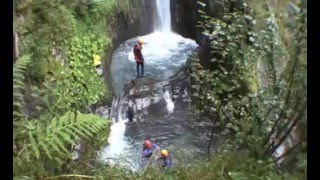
165	52
164	16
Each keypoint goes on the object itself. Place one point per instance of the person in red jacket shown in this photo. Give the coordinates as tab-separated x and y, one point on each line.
139	57
149	148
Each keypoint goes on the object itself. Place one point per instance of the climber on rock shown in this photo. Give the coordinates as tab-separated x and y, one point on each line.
139	57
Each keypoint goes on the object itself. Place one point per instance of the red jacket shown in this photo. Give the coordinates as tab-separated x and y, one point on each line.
137	53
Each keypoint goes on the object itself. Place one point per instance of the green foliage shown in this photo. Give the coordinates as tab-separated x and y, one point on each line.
55	77
83	46
47	27
254	47
50	141
254	108
76	85
19	72
226	164
42	26
223	84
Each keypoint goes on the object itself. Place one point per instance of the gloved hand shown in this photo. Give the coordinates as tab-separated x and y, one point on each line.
146	153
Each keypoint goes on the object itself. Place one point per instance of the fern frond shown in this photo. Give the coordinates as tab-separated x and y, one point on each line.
79	132
95	129
46	149
17	104
51	140
54	123
17	96
23	178
84	130
18	85
19	73
66	136
59	160
19	78
58	145
33	145
71	131
16	116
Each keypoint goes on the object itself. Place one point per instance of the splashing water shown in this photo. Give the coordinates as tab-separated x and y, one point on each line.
117	138
164	54
170	104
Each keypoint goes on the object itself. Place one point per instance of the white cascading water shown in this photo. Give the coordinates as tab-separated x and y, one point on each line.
164	15
164	52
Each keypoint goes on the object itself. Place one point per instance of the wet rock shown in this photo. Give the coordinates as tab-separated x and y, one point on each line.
204	124
161	138
77	150
151	97
178	130
103	111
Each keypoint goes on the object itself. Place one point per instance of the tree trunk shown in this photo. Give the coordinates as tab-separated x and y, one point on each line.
212	129
293	124
211	136
289	151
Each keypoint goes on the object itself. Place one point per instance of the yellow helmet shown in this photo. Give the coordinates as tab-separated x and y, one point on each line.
164	153
140	41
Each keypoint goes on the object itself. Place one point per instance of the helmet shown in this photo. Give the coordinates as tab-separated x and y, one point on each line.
164	153
140	41
147	144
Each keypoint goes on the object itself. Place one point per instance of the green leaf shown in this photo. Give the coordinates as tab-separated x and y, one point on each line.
222	32
34	145
201	12
56	147
61	144
46	149
65	136
201	3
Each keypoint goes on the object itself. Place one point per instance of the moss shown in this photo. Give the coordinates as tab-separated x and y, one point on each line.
252	85
37	70
252	82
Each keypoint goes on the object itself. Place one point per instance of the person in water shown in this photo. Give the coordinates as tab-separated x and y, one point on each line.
139	57
148	148
165	159
130	114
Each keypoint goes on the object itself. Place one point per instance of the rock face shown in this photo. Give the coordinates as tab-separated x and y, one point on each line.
185	17
148	96
138	20
103	111
163	110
